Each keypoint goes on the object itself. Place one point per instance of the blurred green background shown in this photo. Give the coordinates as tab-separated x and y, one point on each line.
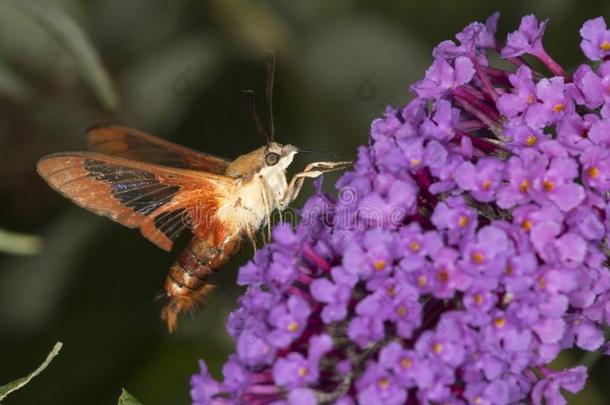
177	69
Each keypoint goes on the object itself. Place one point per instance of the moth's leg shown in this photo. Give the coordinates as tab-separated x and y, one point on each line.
266	205
251	235
312	171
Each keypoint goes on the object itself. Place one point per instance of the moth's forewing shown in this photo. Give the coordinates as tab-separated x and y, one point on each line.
161	201
134	144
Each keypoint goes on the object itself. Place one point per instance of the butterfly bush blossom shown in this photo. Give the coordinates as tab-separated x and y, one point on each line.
465	251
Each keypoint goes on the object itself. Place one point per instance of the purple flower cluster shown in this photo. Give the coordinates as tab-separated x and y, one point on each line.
466	251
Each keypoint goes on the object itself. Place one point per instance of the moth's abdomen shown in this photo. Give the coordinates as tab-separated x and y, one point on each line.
187	285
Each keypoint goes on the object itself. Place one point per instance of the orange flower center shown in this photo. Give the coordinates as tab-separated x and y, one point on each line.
463	221
303	372
422	281
548	185
559	107
401	310
437	347
443	276
478	258
593	172
526	225
478	298
499	322
605	46
531	140
486	185
542	282
379	264
406	362
415	246
524	186
383	383
292	326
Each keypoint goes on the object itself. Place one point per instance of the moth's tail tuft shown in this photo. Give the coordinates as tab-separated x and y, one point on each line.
182	300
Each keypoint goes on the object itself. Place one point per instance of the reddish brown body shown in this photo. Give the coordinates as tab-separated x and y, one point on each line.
187	283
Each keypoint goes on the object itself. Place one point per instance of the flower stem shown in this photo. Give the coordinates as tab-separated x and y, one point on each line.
550	63
485	81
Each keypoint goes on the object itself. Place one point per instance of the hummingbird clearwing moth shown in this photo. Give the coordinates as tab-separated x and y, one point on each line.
142	181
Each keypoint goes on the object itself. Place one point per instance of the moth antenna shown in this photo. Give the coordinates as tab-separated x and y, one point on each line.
251	99
270	83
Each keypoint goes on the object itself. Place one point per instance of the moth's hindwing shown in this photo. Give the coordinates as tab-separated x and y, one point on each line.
131	143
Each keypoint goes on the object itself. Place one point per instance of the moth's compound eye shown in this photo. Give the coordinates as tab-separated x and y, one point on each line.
272	158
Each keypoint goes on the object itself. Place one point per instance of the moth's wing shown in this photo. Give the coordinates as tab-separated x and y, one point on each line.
161	201
137	145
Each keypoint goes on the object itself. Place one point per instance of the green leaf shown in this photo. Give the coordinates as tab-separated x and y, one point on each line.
68	33
127	399
12	85
19	243
20	382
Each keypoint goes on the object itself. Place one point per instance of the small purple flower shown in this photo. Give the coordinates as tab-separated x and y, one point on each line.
553	103
302	396
334	294
417	247
447	277
408	367
481	180
523	136
371	255
204	388
377	386
521	173
595	42
252	346
573	131
442	124
479	303
557	184
445	347
548	389
477	35
405	309
599	135
482	392
596	168
485	256
367	326
294	370
523	96
443	77
527	39
456	217
586	222
390	202
584	333
288	321
474	39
